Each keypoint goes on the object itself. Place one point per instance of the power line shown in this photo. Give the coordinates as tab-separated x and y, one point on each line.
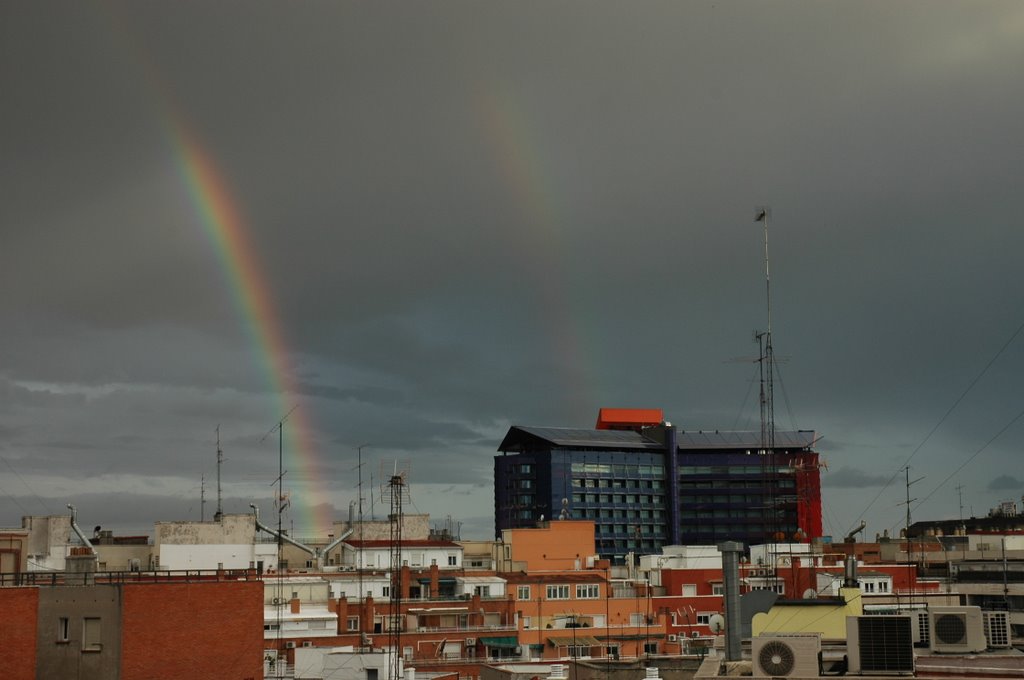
956	403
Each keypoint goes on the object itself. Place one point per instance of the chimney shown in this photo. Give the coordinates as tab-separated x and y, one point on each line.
366	618
341	607
435	580
295	607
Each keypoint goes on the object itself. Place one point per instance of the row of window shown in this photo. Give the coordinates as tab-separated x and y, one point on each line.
617	513
560	591
735	498
618	470
90	633
631	499
735	469
781	483
617	483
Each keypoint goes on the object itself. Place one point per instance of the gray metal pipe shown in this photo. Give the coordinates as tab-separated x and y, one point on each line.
74	526
731	551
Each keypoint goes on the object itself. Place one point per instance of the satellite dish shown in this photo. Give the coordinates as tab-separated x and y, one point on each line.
716	623
810	594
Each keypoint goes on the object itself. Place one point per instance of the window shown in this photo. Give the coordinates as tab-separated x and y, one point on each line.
704	618
650	648
559	592
526	622
523	593
689	590
91	635
385	591
453	560
717	589
353	623
269	626
482	591
317	625
588	591
62	629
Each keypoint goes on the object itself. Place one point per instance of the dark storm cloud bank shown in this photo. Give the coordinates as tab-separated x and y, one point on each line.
1006	483
851	478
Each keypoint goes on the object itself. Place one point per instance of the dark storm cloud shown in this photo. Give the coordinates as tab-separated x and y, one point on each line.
469	216
1005	483
851	478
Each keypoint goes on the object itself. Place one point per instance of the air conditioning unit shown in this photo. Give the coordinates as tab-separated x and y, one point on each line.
673	638
289	645
921	628
470	642
780	656
307	643
881	643
997	629
956	630
276	600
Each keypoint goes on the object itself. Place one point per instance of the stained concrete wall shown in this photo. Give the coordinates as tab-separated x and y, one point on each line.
56	658
232	530
414	528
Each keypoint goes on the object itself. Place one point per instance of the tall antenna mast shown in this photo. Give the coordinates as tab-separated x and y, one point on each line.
359	554
282	504
907	530
202	498
397	491
220	461
769	471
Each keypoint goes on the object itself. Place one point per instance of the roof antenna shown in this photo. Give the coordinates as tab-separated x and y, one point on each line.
220	461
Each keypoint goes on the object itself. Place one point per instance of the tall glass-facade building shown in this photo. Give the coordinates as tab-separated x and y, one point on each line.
653	486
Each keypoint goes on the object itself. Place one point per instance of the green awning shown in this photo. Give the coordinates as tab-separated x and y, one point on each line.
509	642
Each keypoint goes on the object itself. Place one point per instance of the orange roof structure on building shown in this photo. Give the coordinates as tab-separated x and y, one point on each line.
628	418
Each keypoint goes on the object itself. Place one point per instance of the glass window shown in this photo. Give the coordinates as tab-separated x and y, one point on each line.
558	592
62	629
91	634
587	591
523	593
353	623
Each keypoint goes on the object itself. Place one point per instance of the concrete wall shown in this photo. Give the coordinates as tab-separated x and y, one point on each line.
48	540
119	557
414	528
231	530
69	659
214	556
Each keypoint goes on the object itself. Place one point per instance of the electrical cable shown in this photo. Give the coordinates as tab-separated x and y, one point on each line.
956	403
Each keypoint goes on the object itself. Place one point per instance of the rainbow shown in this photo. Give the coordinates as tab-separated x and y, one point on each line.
224	225
506	127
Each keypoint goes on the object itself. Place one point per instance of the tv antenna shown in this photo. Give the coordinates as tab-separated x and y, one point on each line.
281	502
220	461
396	491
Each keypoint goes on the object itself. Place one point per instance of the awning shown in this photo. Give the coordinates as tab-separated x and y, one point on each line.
579	641
436	610
509	642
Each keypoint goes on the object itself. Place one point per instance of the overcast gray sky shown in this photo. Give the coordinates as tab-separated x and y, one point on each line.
421	223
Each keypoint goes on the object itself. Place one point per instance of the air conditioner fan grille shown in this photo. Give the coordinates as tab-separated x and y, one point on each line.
776	658
950	629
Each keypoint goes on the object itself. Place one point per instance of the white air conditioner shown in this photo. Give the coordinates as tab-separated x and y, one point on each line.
289	645
921	628
882	643
673	638
276	600
956	630
781	655
470	642
997	629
